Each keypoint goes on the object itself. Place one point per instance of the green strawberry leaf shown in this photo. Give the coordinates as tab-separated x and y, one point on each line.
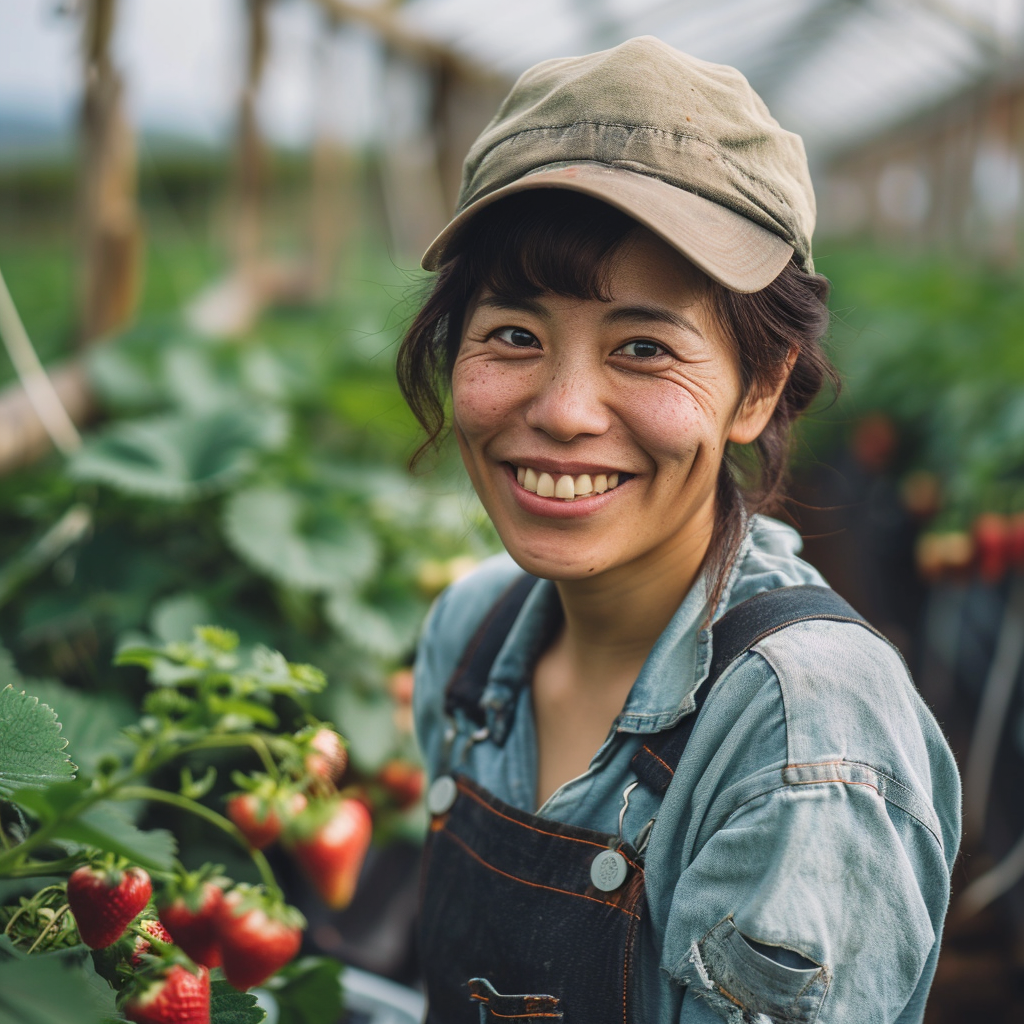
32	750
366	628
295	543
104	826
55	988
229	1006
179	458
92	721
308	991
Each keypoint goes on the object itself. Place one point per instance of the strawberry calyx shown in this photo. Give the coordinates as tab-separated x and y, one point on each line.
192	888
244	898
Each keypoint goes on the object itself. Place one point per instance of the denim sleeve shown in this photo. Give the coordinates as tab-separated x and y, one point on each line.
816	901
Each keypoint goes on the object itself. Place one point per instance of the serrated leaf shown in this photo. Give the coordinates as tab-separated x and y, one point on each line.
229	1006
91	721
179	458
309	991
281	535
31	746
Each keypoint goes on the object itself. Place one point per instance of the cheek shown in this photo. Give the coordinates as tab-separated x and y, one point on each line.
673	427
483	395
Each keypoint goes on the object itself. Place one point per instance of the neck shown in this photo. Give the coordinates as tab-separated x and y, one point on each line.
613	621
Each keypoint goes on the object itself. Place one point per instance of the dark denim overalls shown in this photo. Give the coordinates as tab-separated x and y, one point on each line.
523	918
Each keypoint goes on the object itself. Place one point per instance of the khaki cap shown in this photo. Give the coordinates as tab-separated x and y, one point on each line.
685	147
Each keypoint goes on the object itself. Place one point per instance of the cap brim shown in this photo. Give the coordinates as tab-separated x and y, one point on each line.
728	247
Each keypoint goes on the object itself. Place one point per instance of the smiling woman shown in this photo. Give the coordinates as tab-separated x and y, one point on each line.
676	778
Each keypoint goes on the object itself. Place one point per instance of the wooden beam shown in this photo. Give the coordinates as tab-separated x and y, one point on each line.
388	25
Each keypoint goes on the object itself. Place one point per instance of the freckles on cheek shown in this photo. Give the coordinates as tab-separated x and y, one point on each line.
481	399
676	429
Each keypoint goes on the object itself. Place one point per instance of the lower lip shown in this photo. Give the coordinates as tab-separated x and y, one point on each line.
559	508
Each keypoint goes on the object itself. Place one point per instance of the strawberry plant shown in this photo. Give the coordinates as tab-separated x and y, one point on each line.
78	875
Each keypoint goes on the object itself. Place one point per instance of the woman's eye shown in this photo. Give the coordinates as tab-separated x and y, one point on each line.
516	336
641	349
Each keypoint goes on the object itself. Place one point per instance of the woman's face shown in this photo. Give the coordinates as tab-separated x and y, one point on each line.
624	404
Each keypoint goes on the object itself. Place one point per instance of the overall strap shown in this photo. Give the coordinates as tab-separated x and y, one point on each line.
732	635
466	686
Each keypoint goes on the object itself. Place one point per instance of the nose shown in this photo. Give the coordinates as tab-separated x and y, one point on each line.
569	402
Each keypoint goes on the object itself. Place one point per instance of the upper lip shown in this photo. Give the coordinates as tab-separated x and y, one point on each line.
557	467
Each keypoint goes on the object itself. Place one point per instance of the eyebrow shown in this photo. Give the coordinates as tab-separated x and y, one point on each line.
651	314
638	314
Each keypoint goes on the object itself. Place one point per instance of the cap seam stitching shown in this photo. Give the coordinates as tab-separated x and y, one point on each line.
651	128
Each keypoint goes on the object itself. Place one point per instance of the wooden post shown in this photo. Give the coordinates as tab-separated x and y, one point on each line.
251	159
111	237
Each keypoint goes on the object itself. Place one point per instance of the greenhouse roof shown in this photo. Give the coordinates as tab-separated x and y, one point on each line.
835	71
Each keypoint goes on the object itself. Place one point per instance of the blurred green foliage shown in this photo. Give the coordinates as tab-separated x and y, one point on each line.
257	483
935	344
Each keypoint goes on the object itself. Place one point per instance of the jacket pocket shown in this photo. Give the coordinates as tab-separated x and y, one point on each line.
731	974
512	1009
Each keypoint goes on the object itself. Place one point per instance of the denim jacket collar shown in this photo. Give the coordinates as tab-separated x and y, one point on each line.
683	650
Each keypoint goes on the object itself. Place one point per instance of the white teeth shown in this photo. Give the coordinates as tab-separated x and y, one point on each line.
566	487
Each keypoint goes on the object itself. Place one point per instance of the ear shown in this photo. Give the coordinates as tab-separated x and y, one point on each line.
756	409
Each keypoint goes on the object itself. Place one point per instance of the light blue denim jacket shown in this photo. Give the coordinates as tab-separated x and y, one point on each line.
816	809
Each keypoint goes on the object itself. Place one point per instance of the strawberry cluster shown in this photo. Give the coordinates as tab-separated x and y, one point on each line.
327	831
249	933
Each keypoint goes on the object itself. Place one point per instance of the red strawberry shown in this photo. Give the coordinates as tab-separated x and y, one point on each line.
404	781
256	938
330	843
327	757
257	817
191	918
105	901
176	996
158	931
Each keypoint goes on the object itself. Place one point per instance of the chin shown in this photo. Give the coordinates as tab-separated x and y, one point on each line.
557	565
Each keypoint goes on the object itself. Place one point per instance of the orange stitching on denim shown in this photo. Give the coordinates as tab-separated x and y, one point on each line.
535	885
670	770
815	764
517	1016
845	782
556	835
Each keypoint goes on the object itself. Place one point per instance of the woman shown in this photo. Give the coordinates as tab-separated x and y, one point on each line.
675	778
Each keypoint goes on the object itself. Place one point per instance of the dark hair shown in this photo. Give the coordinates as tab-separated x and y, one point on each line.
564	242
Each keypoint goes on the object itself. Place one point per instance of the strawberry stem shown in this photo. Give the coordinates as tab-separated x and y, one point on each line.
204	812
53	924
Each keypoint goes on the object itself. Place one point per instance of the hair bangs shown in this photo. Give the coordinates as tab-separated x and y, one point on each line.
546	241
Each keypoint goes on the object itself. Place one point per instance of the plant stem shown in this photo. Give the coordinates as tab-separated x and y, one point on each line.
241	739
200	810
43	868
56	921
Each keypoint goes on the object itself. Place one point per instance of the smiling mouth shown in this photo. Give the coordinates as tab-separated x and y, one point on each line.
566	487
